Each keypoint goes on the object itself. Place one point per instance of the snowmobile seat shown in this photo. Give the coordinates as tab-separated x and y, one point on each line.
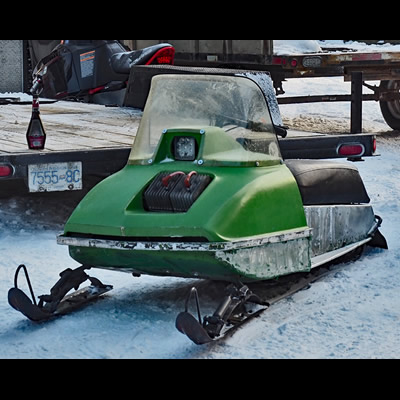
328	183
122	63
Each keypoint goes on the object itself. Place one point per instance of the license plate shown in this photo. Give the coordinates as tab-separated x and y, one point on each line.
59	177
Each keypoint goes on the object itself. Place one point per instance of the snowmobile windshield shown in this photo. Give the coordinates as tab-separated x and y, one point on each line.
232	111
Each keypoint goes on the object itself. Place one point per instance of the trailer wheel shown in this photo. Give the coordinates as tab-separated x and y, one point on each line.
391	109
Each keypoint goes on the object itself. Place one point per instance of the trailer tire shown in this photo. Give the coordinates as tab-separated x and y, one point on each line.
391	109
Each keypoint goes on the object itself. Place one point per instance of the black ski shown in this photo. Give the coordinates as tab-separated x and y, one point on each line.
58	302
241	306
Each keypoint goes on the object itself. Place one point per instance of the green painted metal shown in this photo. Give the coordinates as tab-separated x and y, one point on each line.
239	203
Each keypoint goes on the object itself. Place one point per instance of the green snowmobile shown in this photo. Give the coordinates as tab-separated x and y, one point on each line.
206	194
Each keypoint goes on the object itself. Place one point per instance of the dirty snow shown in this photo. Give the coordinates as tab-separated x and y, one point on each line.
353	313
285	47
324	117
282	47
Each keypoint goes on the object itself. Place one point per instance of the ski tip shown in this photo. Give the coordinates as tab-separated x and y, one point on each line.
189	326
21	302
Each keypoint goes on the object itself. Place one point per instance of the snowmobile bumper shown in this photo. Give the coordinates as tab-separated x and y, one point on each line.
254	259
333	232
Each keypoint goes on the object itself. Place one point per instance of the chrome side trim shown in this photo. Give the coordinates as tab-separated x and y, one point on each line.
334	255
125	245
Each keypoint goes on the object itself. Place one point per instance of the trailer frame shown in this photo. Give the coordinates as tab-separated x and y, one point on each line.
340	62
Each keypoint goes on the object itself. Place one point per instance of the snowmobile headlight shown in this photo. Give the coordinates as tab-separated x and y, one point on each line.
185	148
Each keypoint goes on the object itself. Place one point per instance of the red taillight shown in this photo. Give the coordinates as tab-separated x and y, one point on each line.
279	61
351	150
163	56
374	146
6	171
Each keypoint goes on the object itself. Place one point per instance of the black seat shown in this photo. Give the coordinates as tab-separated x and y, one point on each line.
328	183
123	62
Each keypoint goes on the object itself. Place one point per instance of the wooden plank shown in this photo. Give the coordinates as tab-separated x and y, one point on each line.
10	147
119	122
89	136
88	139
77	128
14	138
82	132
69	126
15	141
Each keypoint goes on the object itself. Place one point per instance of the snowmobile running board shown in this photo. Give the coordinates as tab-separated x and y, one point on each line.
58	302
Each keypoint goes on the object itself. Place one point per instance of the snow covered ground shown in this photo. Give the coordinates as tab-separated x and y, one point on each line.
353	313
312	46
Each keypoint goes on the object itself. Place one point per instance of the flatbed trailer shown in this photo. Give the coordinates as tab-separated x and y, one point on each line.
355	66
358	67
86	143
260	55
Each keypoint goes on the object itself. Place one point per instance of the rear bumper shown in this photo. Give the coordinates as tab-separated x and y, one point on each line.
247	260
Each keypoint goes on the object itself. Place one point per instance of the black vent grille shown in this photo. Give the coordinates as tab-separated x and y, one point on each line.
175	193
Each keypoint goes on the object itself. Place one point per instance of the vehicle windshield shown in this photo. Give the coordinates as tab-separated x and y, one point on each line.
235	105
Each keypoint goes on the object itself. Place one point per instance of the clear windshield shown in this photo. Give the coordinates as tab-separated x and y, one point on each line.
236	105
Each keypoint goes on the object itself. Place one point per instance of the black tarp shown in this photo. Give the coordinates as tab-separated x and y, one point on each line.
39	49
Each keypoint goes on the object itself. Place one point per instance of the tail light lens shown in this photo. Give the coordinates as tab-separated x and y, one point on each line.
279	61
163	56
351	150
6	171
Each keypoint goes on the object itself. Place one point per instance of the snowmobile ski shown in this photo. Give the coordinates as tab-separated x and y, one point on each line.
232	313
238	309
58	302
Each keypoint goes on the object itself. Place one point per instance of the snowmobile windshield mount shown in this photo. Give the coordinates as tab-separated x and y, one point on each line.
229	114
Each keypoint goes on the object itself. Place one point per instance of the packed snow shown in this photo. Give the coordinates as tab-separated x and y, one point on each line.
296	46
285	47
352	313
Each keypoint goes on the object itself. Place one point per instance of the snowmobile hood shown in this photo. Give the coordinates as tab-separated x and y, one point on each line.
237	203
205	166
